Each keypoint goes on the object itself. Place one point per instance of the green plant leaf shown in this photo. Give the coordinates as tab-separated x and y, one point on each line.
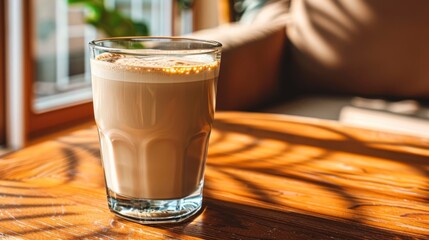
141	29
95	12
111	21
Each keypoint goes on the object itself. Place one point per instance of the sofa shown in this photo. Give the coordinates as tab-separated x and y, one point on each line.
345	60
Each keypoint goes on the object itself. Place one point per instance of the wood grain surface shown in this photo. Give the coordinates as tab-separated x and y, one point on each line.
267	177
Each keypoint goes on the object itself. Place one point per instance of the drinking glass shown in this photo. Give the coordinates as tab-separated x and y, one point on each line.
154	104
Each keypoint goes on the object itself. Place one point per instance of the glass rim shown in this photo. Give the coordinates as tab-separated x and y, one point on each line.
209	47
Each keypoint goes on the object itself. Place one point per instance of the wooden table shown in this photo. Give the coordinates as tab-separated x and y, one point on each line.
267	177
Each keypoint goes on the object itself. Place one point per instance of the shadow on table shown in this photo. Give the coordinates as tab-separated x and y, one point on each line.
223	218
226	220
239	219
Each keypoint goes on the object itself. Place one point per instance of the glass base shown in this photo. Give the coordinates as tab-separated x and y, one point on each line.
155	211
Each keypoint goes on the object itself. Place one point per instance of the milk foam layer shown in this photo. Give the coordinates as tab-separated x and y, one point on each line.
151	69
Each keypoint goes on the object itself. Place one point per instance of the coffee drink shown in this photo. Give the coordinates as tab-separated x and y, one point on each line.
154	116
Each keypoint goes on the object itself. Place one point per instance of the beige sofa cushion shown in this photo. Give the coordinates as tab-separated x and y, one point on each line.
372	47
252	58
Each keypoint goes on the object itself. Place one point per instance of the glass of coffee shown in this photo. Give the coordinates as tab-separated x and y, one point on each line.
154	103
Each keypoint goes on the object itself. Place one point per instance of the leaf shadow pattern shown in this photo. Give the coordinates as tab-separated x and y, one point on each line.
224	219
35	216
346	144
260	134
72	163
36	230
349	144
3	194
86	140
230	220
252	187
10	206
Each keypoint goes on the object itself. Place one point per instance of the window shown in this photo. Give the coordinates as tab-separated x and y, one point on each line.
60	54
48	61
61	51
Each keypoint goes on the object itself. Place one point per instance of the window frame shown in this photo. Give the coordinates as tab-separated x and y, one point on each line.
2	75
39	124
24	122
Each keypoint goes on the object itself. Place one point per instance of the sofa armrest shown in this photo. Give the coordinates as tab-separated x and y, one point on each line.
251	64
